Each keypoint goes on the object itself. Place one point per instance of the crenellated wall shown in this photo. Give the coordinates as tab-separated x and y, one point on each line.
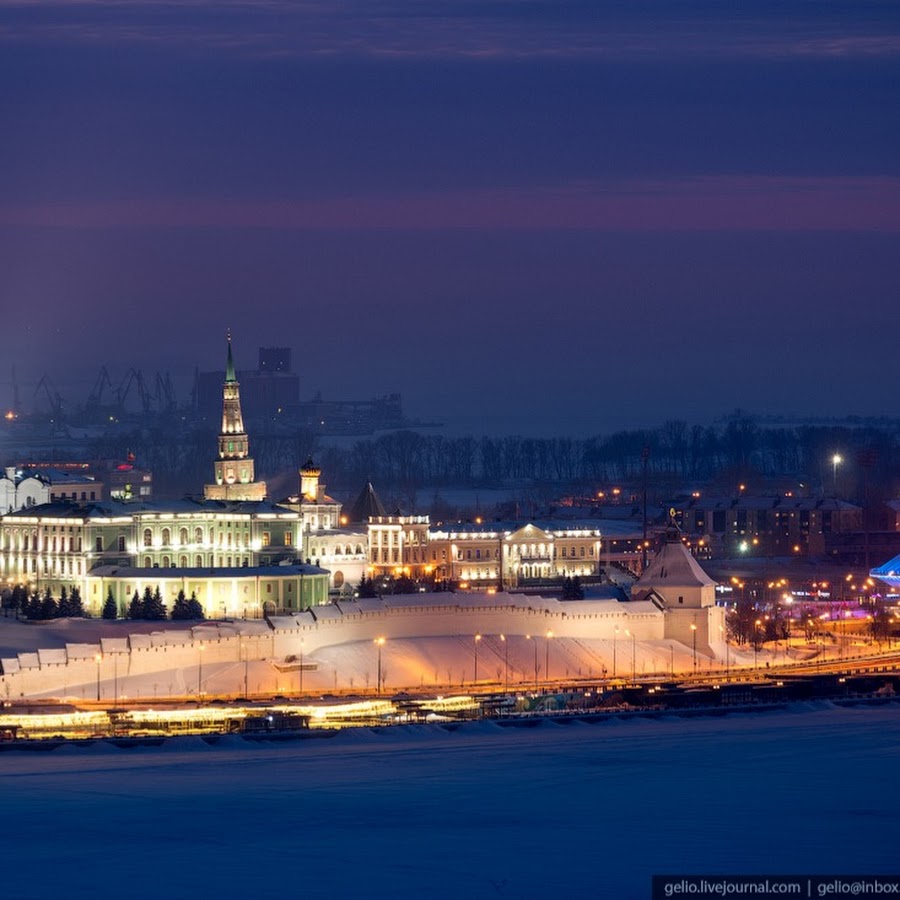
173	662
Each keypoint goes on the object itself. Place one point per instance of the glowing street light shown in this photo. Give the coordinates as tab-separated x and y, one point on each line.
615	642
477	639
756	625
694	644
505	661
301	665
727	652
379	643
547	656
836	460
528	638
633	666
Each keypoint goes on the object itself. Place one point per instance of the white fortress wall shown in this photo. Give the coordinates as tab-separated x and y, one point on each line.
75	670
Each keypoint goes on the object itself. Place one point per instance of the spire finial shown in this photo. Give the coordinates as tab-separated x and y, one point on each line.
229	368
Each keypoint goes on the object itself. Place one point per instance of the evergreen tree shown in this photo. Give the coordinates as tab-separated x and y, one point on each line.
19	599
154	608
31	608
366	588
76	607
49	608
577	589
64	609
136	607
109	606
180	607
195	609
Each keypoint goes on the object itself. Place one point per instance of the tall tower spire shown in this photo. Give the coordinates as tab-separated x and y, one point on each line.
234	469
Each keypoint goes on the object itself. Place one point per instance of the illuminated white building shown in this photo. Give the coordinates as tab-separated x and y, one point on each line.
21	490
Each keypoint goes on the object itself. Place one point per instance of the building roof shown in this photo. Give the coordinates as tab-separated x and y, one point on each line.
888	572
367	504
109	509
673	566
143	574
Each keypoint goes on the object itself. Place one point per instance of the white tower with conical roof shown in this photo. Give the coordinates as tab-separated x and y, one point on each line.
676	582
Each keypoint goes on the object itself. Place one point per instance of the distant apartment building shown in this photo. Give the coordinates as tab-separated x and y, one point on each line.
766	526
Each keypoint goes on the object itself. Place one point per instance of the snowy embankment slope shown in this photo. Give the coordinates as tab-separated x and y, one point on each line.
559	811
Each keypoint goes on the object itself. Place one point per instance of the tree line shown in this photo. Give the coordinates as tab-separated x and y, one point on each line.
404	462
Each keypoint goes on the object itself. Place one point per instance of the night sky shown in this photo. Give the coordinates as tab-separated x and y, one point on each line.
524	215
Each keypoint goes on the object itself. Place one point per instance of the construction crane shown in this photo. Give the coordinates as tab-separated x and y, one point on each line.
94	404
54	399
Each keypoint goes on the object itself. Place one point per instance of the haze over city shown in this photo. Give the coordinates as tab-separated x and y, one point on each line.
585	215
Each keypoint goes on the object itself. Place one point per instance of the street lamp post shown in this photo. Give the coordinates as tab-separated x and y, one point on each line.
301	665
199	669
246	657
615	643
727	652
379	643
836	460
505	661
756	625
547	656
694	645
534	644
477	639
633	650
97	659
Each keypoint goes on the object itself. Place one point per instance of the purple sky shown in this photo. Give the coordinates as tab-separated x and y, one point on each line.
526	214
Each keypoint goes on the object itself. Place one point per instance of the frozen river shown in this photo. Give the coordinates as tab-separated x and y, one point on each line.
553	811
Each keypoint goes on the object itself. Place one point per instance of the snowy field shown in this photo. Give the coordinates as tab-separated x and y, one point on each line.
551	811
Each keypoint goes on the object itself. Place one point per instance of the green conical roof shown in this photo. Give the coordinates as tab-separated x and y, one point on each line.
229	368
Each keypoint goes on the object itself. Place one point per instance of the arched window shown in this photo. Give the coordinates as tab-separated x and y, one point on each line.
166	537
359	549
148	563
148	537
183	536
166	562
338	579
198	535
198	562
182	562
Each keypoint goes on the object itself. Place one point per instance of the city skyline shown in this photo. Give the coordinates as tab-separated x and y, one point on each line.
589	216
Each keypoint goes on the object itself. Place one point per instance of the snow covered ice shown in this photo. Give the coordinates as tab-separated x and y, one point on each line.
552	811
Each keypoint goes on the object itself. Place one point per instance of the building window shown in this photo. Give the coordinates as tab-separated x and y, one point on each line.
266	539
98	544
148	537
288	539
183	536
166	537
148	563
121	543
